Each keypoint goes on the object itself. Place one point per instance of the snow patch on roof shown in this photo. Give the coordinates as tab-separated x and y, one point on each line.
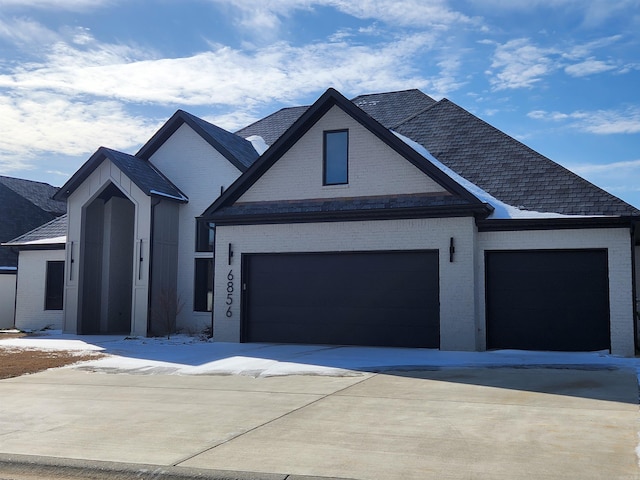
258	143
162	194
501	210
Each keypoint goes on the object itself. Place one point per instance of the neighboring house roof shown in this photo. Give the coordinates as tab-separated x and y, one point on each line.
25	205
505	168
141	172
223	209
50	235
39	193
233	147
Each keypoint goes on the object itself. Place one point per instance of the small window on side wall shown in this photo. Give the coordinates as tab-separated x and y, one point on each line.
336	157
203	285
205	236
54	286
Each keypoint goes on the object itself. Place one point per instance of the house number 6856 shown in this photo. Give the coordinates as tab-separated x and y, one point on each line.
229	299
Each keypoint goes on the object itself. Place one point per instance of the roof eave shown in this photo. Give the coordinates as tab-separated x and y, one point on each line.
557	223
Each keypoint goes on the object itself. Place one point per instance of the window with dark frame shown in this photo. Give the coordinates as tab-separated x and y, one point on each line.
203	285
336	157
54	286
205	236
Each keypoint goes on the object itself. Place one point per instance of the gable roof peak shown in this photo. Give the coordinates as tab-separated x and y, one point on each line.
234	148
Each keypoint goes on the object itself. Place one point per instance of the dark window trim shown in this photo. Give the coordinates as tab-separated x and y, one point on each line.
54	286
324	157
203	227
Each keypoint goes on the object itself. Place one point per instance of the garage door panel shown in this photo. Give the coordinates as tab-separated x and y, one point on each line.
548	300
372	298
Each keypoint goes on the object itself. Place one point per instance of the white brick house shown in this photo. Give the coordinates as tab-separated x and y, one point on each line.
391	219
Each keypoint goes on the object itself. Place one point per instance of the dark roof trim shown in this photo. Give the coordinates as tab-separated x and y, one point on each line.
562	223
40	246
329	99
172	192
175	122
350	215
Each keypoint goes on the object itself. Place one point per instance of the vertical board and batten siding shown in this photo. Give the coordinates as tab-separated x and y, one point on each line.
457	301
615	241
30	299
93	185
199	171
374	168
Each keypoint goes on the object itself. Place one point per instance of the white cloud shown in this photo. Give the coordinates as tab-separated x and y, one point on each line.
520	64
74	99
259	15
588	67
602	122
222	75
593	12
73	5
46	122
24	31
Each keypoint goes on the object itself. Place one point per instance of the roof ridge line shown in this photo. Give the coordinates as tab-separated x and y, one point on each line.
420	112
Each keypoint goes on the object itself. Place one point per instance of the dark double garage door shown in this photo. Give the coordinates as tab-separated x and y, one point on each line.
367	298
548	300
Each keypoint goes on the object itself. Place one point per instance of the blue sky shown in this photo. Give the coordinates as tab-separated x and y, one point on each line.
562	76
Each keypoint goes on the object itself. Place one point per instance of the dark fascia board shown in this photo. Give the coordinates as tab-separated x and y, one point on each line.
351	216
328	99
40	246
562	223
94	162
170	127
81	175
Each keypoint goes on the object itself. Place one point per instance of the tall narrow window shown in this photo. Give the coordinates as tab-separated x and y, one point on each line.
54	286
205	236
335	157
203	287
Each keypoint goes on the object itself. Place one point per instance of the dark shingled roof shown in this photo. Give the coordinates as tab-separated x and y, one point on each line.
272	127
25	205
144	175
39	193
233	147
505	168
141	172
387	108
392	108
334	205
52	230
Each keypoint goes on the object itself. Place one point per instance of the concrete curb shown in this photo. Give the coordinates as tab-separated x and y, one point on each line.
28	467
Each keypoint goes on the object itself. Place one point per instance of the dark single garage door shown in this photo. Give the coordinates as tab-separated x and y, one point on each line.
548	300
372	298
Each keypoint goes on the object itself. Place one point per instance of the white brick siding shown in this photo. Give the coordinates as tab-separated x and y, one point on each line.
374	168
617	243
199	170
457	304
32	273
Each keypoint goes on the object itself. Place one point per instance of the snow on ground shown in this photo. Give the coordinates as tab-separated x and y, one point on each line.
184	355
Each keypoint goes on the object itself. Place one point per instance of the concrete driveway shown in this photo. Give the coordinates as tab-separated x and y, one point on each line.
455	423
